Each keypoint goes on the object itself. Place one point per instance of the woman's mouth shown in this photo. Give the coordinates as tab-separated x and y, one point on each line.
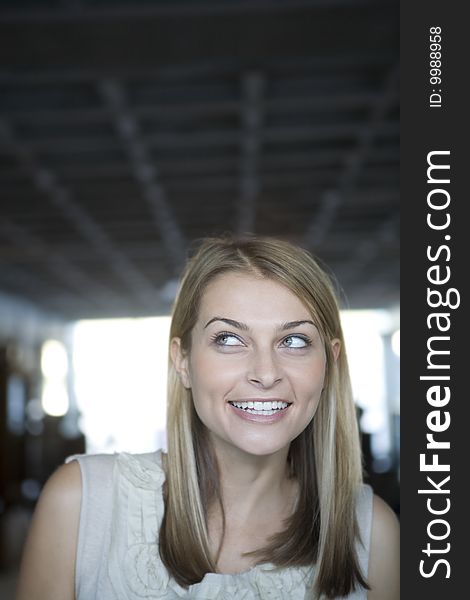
266	410
262	409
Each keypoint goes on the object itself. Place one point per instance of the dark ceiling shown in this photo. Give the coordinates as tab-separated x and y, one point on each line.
129	129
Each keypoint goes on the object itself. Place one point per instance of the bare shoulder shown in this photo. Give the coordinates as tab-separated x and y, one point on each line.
384	560
64	485
48	563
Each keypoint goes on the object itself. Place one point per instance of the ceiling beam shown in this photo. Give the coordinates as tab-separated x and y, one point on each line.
145	172
367	250
257	33
182	167
252	95
215	138
71	10
87	291
349	60
91	230
354	162
186	107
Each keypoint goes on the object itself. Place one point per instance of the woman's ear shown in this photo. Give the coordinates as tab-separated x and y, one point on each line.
180	362
336	348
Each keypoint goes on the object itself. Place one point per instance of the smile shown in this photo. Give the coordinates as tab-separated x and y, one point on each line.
263	409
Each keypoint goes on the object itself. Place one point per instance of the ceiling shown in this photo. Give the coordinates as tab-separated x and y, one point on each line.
130	129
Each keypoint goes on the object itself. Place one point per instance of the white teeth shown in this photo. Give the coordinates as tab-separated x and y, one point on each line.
267	408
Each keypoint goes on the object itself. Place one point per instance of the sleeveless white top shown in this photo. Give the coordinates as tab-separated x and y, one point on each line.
117	552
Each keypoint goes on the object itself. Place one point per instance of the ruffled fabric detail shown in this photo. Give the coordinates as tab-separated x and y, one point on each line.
135	568
144	571
262	582
142	471
276	584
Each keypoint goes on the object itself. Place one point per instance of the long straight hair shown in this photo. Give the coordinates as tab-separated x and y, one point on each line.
325	458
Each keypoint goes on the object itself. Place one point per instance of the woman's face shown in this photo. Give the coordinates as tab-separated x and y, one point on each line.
256	366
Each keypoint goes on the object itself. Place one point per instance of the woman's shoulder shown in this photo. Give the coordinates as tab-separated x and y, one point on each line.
47	569
384	552
61	496
65	482
63	489
385	527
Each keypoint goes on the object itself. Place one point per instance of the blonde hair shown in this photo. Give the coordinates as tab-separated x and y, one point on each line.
325	458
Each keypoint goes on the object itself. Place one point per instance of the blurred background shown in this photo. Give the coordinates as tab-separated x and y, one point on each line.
128	129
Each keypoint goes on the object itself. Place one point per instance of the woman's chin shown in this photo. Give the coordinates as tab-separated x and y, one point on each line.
260	447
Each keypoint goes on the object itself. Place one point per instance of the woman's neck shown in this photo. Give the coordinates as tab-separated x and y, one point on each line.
253	485
257	496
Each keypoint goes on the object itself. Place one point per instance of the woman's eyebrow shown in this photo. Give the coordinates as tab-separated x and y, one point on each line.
231	322
243	327
293	324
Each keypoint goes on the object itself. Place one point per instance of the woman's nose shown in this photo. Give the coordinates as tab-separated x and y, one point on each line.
263	369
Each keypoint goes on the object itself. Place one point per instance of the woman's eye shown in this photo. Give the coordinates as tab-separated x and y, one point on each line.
225	339
295	341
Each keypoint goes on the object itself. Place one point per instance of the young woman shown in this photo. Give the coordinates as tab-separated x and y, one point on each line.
260	495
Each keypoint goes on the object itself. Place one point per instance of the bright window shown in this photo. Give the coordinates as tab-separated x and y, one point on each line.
120	371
